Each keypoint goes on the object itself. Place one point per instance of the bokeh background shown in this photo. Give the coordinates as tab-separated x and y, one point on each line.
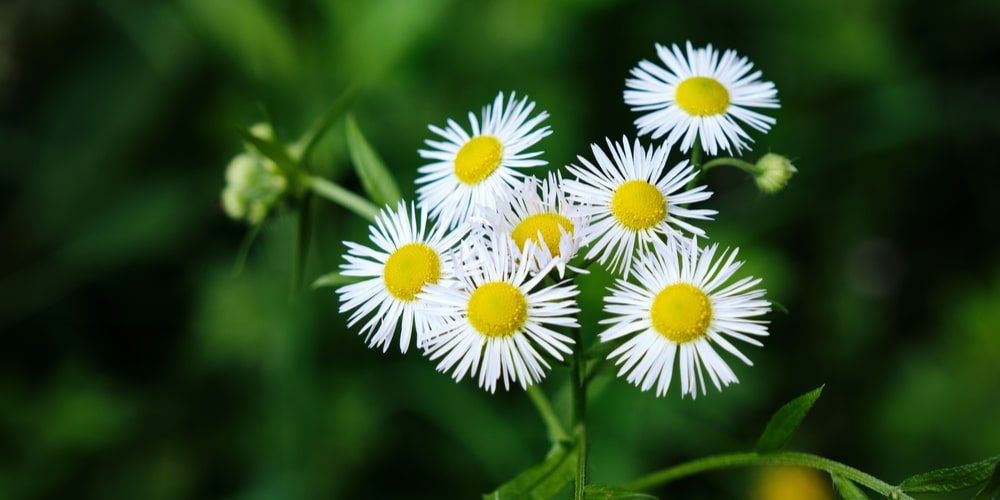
133	364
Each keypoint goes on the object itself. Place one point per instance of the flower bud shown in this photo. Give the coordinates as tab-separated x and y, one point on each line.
773	172
253	188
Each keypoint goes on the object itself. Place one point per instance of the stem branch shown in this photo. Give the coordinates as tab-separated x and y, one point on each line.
752	459
341	196
556	431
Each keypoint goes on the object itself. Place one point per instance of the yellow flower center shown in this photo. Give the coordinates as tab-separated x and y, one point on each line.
477	159
409	268
681	312
638	205
497	309
702	96
548	224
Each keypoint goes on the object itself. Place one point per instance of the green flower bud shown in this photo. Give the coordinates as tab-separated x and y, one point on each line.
773	172
254	187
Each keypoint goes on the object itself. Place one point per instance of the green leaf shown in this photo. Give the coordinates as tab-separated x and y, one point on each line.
847	489
244	252
542	481
614	493
375	177
786	420
312	136
333	279
274	151
992	489
951	478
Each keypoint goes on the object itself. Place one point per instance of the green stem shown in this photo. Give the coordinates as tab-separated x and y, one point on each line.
732	162
578	371
548	414
341	196
696	152
752	459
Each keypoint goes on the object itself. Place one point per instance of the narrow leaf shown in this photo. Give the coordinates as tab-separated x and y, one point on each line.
992	489
273	150
951	478
312	136
542	481
333	279
376	179
847	489
786	421
614	493
241	256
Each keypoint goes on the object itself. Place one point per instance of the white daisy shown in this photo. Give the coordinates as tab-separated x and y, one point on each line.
405	259
682	303
540	212
700	95
497	320
478	169
629	200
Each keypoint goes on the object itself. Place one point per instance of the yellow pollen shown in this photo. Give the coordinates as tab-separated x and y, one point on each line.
548	224
702	96
681	312
638	205
477	159
409	268
497	309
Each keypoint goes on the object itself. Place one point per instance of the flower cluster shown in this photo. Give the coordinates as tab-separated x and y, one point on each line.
478	272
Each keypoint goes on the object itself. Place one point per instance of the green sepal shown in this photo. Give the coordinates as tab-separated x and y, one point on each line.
992	489
614	493
541	481
778	306
376	179
786	420
847	489
952	478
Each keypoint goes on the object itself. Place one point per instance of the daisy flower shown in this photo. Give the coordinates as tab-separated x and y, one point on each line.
700	96
683	304
541	213
473	170
406	258
497	320
630	200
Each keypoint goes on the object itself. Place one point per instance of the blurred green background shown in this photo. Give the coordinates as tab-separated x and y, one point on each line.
134	365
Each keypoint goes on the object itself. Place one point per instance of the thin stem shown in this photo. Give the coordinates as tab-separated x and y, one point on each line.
696	152
578	372
312	136
732	162
341	196
752	459
548	414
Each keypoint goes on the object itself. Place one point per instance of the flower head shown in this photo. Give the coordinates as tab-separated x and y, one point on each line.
497	319
773	172
540	212
406	259
478	169
682	307
700	95
630	200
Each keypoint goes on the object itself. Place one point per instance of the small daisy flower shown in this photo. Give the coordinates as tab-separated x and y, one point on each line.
406	258
683	304
541	213
629	200
497	320
700	95
479	169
